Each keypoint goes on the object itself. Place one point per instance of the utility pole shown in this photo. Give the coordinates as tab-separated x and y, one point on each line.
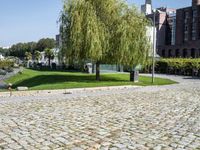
154	45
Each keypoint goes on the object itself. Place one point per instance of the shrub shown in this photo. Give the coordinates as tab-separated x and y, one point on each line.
178	65
6	64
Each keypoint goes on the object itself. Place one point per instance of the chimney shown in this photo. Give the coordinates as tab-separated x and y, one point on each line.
195	2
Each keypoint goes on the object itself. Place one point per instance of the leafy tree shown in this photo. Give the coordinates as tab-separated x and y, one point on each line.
45	43
20	49
28	56
37	55
31	46
4	51
103	32
49	54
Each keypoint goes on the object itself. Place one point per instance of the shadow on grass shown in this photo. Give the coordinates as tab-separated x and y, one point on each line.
59	79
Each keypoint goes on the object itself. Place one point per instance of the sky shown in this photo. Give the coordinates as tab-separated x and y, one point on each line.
31	20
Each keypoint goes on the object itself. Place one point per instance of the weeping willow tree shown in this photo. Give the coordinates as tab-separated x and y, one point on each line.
103	31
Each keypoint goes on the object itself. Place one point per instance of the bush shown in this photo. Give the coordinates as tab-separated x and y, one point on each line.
184	66
6	64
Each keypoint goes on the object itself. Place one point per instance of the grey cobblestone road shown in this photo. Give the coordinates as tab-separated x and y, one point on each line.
143	118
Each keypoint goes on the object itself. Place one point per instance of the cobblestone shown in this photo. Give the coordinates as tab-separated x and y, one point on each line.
141	119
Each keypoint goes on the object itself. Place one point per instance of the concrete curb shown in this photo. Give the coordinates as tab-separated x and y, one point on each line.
62	91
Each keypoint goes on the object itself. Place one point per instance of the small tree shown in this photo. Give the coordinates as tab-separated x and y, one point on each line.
37	55
28	56
44	43
49	54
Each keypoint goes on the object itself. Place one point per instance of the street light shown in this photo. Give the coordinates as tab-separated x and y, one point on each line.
154	45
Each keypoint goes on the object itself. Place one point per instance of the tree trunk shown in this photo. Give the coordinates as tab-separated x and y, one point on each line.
97	71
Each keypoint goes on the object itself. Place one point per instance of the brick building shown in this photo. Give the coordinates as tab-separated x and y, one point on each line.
178	31
165	20
187	37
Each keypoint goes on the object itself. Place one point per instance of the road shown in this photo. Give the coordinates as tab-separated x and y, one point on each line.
141	118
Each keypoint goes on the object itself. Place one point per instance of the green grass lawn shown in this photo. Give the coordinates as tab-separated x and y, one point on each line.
43	80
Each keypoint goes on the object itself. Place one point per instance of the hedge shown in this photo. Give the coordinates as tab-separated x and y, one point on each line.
185	66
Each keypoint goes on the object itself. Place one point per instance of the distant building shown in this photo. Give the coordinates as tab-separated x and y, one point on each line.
147	7
44	59
147	10
187	37
164	23
58	40
1	57
178	31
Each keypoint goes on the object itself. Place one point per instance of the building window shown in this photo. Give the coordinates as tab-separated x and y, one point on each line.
187	16
194	17
170	53
163	53
194	14
193	54
177	53
194	34
173	39
186	28
184	53
186	36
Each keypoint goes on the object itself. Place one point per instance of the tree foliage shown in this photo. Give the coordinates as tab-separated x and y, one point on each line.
28	56
4	51
49	54
20	49
180	63
103	31
44	43
6	64
37	55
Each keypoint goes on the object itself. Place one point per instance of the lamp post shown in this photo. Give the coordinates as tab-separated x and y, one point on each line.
154	45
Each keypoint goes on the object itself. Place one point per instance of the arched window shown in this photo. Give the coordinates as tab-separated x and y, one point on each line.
170	53
177	53
184	53
163	53
193	53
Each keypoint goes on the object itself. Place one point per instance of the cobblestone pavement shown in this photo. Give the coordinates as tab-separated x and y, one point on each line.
143	118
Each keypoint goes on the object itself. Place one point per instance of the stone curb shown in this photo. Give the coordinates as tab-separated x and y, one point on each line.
62	91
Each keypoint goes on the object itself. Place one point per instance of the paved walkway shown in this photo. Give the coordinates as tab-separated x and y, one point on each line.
143	118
